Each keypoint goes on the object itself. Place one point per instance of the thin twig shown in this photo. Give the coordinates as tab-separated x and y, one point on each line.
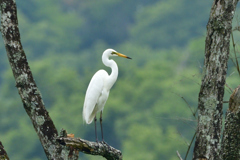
232	61
229	87
184	120
194	114
179	156
190	145
192	79
234	50
183	138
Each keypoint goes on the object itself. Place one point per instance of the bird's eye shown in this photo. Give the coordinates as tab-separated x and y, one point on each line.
113	53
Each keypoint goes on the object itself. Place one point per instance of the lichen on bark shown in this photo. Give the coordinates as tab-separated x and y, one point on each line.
210	102
27	88
31	96
231	137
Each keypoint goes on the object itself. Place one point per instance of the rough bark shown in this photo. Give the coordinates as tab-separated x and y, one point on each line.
3	153
231	136
210	102
93	148
32	100
27	88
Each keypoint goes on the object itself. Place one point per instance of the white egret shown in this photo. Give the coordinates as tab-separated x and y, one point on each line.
98	89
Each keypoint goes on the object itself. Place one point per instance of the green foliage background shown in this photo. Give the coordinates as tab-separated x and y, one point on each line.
145	116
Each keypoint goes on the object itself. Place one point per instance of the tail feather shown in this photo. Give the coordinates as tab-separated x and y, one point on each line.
88	118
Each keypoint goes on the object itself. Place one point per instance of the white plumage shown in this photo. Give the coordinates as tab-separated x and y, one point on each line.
96	96
99	87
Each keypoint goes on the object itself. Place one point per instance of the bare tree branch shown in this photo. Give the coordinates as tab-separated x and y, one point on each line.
27	88
93	148
3	153
210	102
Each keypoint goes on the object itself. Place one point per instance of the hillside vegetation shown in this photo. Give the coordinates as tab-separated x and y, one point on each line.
145	116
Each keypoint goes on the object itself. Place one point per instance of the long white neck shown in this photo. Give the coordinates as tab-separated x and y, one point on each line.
114	74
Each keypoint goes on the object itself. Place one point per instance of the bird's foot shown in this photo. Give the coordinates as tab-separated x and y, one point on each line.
103	142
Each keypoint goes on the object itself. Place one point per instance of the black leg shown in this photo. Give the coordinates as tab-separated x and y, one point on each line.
95	120
101	125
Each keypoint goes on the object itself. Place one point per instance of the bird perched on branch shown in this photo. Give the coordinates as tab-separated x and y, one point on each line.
99	87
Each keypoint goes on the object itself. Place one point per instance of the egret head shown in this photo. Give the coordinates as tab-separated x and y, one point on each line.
112	52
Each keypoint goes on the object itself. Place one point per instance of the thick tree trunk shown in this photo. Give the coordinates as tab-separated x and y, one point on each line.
210	102
3	153
27	88
231	136
56	147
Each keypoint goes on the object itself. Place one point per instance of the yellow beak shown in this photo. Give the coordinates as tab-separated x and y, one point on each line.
122	55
